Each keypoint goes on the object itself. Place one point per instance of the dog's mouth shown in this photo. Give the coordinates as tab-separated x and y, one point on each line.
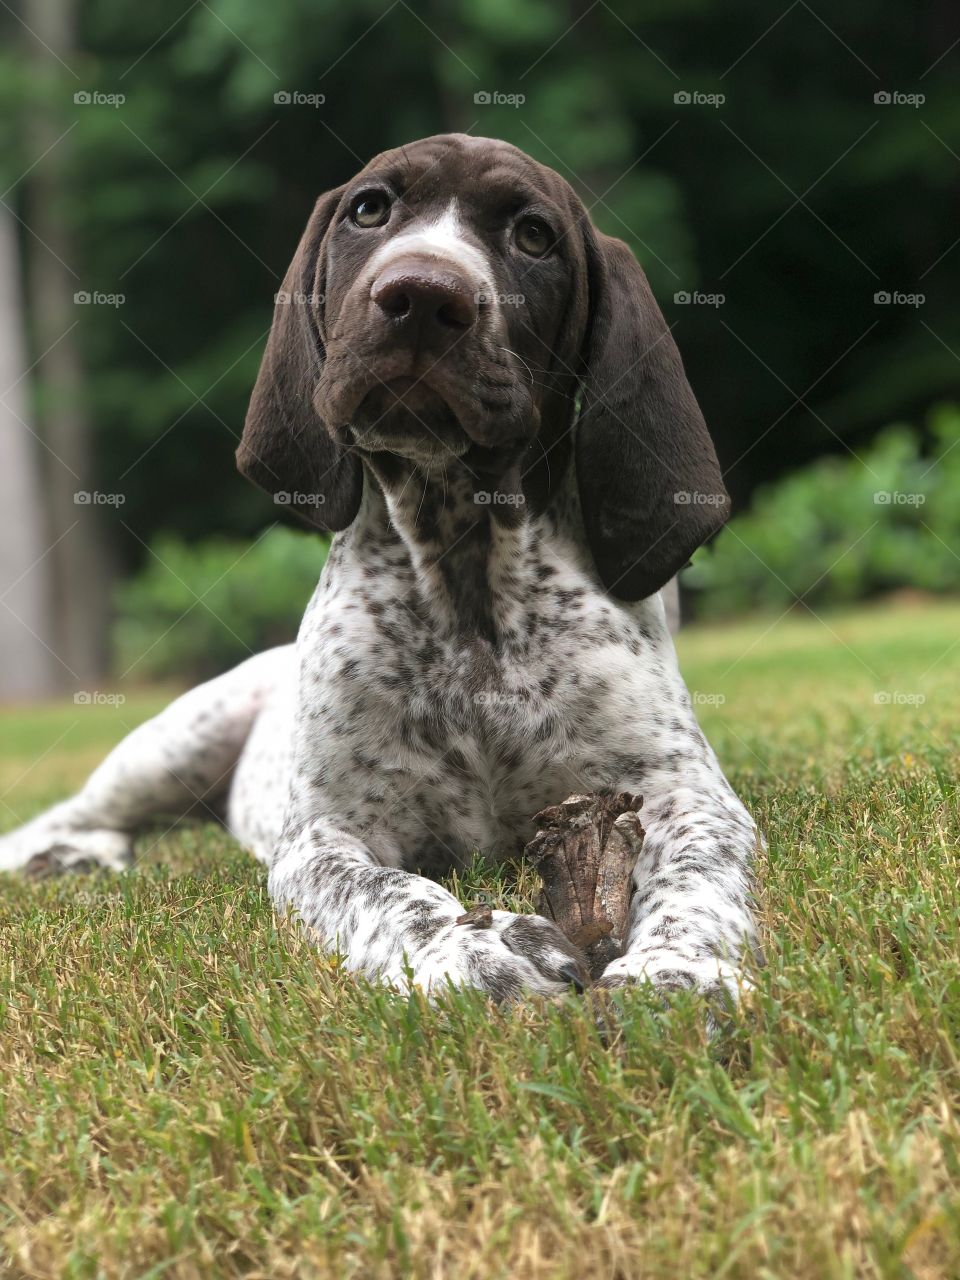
408	417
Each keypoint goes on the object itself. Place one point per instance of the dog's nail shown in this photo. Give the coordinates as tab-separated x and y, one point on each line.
573	974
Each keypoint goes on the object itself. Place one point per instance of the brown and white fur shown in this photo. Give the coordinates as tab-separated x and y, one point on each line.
475	390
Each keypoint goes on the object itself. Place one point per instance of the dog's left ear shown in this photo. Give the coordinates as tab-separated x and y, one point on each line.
649	480
285	447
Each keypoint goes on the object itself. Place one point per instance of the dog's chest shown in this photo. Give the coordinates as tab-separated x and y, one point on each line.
482	740
447	743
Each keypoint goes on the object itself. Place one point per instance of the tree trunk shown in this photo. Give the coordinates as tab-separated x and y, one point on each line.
81	587
26	663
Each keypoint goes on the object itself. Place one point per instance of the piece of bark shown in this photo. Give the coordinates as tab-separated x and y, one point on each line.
585	850
480	917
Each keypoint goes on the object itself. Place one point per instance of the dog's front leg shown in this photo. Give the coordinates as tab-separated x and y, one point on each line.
390	924
690	920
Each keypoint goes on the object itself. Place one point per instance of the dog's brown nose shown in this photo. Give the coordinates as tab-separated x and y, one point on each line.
426	295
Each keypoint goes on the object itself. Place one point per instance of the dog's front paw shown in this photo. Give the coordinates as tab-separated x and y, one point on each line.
503	954
669	971
45	848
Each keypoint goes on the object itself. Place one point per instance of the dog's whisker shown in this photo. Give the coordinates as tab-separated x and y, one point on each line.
423	496
413	472
546	458
516	355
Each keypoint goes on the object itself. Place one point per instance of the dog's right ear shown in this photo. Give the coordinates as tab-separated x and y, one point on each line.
286	448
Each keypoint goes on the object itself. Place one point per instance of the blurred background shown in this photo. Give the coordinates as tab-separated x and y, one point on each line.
789	178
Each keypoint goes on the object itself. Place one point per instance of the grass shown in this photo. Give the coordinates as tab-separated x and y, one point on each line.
190	1091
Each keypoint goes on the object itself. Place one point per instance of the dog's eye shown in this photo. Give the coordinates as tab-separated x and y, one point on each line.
533	237
370	209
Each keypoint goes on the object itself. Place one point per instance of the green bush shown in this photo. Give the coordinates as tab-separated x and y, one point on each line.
194	611
844	528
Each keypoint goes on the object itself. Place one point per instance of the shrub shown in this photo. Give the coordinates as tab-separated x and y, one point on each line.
843	528
194	611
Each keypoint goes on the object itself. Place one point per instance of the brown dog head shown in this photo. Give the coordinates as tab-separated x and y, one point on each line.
454	301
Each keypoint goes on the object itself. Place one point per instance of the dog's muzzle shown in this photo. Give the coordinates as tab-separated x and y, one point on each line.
419	364
420	308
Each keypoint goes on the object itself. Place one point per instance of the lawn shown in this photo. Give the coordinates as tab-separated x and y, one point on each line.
190	1091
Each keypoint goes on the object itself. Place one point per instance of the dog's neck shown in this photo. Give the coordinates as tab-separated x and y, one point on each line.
469	539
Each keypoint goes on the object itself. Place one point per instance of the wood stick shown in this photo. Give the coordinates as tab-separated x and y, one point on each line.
585	850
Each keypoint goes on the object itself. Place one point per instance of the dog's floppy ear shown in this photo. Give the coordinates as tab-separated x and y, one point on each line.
649	480
285	447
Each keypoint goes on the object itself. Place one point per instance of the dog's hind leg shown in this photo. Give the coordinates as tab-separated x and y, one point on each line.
179	762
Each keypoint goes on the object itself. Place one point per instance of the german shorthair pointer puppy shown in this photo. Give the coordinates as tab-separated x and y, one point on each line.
476	392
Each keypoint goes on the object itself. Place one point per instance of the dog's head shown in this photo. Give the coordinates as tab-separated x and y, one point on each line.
453	301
